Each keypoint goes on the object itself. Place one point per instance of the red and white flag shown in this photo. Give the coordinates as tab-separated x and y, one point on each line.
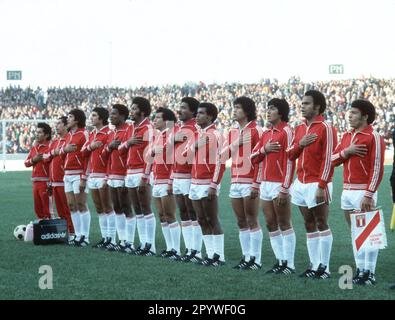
368	230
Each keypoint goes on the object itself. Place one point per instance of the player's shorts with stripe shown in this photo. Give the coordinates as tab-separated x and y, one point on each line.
116	183
303	194
240	190
95	183
181	186
159	190
351	199
133	180
200	191
269	190
72	184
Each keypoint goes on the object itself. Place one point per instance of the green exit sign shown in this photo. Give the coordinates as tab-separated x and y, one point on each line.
14	75
336	69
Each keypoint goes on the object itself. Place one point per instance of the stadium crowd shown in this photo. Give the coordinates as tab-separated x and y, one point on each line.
24	104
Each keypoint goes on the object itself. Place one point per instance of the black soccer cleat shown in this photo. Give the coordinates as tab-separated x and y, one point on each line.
193	257
251	265
163	254
321	272
185	256
128	248
83	242
100	244
358	275
275	269
309	273
216	262
241	264
173	255
206	261
114	247
72	241
368	278
147	252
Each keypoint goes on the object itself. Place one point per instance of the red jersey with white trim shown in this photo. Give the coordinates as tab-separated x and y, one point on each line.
361	173
208	165
137	154
56	162
276	167
242	169
161	154
116	163
40	169
182	168
97	164
75	163
314	161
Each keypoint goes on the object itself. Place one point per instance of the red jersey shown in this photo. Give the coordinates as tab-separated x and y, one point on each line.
137	155
116	163
97	166
56	162
75	163
208	165
40	169
314	164
182	168
276	167
242	168
361	173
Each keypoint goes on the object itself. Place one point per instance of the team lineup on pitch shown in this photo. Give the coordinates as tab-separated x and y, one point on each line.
180	165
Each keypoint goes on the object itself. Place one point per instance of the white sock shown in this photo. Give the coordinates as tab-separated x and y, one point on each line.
313	248
209	244
289	243
166	235
150	226
112	230
359	257
256	237
276	240
120	222
371	260
130	230
186	227
245	240
175	233
85	224
218	240
326	240
197	238
141	229
103	224
75	217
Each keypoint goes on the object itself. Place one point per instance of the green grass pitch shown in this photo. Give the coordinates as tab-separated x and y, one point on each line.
86	273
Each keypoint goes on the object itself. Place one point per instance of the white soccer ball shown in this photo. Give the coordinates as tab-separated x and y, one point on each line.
19	232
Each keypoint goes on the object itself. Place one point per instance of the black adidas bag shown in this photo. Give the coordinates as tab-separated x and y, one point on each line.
50	231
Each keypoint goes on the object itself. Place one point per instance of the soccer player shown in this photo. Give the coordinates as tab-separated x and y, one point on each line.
361	151
245	203
276	176
75	166
139	137
313	144
56	173
207	172
97	169
181	181
116	173
161	154
40	173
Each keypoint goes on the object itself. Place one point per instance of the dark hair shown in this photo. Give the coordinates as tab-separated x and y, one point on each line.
46	128
248	106
122	110
102	113
318	99
167	114
63	119
79	116
192	104
143	104
282	107
366	108
211	109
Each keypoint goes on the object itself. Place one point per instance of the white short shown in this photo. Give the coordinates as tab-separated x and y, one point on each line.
303	194
240	190
269	190
159	190
116	183
95	183
72	184
133	180
181	186
200	191
351	199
